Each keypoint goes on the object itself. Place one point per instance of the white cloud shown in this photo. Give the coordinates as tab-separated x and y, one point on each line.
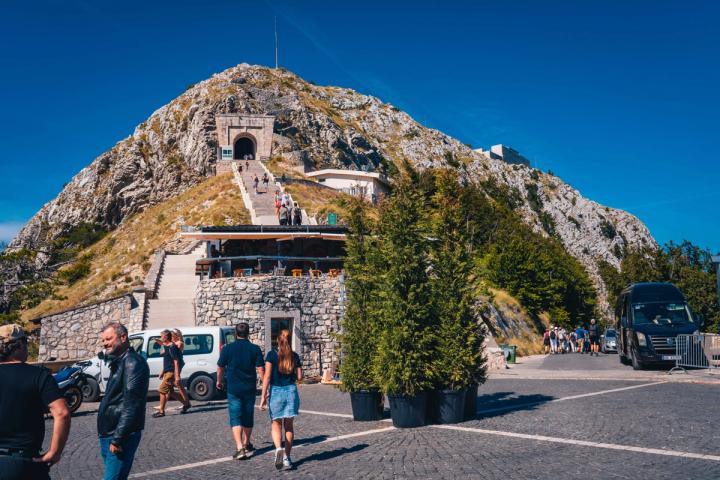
8	230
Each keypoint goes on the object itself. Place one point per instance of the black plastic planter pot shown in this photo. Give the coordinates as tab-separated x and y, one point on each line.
367	406
471	401
450	406
408	411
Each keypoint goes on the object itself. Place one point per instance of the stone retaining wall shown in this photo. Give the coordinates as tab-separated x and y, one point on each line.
313	303
74	334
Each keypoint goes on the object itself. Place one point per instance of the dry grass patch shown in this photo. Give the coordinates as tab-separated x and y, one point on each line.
121	259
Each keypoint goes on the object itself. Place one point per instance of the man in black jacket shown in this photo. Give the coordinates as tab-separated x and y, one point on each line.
121	416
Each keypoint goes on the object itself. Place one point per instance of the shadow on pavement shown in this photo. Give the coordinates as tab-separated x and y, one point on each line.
493	405
330	454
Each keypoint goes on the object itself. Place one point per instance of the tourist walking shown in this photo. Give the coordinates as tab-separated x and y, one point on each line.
594	335
284	216
177	339
265	181
121	415
553	339
256	182
546	341
280	395
26	391
240	364
170	376
247	166
277	203
296	215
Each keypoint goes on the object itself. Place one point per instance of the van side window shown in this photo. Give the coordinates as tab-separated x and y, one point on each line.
194	345
198	344
136	343
624	312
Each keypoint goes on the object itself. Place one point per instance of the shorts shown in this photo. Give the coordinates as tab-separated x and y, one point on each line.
594	340
241	409
284	402
167	385
546	342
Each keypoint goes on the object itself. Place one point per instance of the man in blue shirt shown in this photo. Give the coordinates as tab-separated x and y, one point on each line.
241	362
580	334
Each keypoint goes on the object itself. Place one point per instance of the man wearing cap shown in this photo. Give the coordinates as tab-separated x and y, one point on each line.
26	391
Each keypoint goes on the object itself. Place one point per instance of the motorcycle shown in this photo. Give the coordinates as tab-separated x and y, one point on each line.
71	381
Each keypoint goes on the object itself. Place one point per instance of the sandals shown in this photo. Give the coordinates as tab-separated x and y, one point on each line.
158	414
185	408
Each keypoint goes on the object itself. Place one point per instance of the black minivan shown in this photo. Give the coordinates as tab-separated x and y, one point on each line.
648	317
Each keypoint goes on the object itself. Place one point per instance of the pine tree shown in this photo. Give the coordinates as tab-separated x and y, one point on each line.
403	364
459	359
359	327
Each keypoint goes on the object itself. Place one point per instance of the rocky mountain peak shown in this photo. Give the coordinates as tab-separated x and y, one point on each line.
315	127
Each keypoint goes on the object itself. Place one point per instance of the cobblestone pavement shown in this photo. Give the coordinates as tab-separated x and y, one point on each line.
525	429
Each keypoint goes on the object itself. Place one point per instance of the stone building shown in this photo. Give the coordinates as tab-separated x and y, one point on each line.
506	154
243	136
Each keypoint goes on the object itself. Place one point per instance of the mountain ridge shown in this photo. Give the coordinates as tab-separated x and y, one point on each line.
315	127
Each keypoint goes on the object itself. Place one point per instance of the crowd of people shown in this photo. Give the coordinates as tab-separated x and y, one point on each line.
581	340
27	392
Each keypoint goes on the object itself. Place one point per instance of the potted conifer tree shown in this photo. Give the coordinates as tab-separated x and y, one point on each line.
402	366
458	349
358	337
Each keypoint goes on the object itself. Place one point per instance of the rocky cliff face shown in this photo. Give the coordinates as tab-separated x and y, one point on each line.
318	127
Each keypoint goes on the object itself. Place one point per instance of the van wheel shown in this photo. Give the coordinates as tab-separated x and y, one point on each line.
623	359
91	390
202	388
636	363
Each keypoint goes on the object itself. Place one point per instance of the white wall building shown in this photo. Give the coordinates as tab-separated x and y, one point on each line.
367	185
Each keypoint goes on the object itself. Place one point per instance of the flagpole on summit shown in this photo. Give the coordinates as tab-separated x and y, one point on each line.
276	44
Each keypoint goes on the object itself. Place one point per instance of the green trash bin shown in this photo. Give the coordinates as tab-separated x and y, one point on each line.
512	353
332	219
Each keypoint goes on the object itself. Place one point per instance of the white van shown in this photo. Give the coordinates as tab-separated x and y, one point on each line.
202	351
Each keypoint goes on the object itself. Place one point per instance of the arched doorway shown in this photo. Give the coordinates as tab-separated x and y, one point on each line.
243	146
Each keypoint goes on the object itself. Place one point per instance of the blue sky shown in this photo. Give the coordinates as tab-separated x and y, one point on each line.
620	99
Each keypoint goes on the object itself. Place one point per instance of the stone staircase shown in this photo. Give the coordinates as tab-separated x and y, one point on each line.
174	305
263	202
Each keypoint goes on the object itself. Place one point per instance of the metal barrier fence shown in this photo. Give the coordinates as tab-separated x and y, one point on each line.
697	351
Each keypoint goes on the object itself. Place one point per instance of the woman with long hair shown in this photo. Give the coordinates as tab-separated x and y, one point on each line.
283	370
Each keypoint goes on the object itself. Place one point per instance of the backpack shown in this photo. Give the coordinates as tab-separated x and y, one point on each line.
552	335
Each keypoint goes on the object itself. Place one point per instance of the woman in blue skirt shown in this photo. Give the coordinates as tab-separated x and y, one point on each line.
280	395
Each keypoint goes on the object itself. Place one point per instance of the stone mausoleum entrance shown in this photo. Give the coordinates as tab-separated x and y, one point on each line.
244	148
242	136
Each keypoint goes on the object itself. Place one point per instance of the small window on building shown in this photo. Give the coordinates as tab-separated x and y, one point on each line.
227	153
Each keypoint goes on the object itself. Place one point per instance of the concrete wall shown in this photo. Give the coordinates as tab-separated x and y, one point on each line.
74	334
372	185
313	303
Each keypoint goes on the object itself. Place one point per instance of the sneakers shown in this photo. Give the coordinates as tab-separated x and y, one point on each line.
279	461
287	463
249	450
240	455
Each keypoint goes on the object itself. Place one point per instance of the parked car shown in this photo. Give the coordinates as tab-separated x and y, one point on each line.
608	342
648	319
202	350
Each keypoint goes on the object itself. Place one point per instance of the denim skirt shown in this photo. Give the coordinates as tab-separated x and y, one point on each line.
284	402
